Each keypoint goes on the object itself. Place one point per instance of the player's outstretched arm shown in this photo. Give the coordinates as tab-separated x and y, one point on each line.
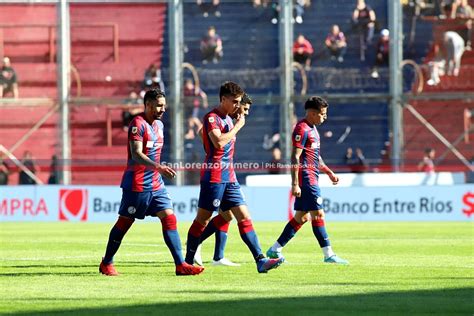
136	149
295	159
323	167
219	140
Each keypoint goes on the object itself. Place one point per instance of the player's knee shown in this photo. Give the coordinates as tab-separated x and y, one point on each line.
227	216
320	214
124	223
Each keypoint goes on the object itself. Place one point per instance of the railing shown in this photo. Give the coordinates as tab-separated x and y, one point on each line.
52	35
19	164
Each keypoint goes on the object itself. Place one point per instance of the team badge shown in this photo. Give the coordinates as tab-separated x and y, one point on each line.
131	210
134	130
298	138
211	119
216	202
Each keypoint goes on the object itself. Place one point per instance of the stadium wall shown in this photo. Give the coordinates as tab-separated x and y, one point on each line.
101	203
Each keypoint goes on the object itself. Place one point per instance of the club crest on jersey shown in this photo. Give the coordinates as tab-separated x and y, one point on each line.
134	130
298	138
131	210
216	202
211	119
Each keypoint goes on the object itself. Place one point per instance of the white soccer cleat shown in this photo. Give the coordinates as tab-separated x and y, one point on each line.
225	262
198	257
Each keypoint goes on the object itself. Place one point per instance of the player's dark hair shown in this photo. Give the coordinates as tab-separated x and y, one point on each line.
246	99
316	103
230	88
153	94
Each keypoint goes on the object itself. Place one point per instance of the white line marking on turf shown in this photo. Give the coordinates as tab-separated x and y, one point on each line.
78	257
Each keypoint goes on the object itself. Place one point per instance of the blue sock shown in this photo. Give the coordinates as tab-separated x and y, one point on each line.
115	238
221	241
319	231
289	232
171	237
250	238
208	231
194	237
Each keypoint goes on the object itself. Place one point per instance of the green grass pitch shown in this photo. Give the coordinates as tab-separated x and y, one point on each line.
396	269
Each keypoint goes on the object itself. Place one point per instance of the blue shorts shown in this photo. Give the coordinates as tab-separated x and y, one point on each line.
310	199
140	204
220	195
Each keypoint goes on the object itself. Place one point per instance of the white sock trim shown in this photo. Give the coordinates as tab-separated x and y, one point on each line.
328	252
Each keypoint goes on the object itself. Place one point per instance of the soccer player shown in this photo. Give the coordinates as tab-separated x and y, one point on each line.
307	163
219	224
144	193
219	186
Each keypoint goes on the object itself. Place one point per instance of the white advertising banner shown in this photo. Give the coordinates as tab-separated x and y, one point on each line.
101	203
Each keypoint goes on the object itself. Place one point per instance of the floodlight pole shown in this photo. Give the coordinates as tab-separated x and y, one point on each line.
286	75
396	87
176	82
64	66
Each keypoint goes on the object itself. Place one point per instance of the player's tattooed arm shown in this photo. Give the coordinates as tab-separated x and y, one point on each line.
295	160
324	168
136	149
219	140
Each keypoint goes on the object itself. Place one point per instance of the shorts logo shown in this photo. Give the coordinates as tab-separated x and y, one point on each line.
211	119
131	210
134	130
216	202
319	200
298	138
73	204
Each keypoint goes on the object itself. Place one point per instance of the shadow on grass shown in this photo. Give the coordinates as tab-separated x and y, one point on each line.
439	302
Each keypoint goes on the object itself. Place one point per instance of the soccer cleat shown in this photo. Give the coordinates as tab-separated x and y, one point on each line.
265	264
197	256
187	269
107	269
274	254
335	259
225	262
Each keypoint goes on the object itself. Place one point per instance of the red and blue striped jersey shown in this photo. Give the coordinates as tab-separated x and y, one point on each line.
306	137
218	165
137	177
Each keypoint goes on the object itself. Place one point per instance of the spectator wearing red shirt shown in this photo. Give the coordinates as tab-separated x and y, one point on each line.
302	51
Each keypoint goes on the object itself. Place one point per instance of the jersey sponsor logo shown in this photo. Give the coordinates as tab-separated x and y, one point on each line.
211	119
315	145
134	130
152	144
216	202
131	210
73	204
298	138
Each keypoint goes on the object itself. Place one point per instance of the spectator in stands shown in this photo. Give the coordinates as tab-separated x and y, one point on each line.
427	164
153	79
356	162
364	19
299	9
462	10
211	46
381	57
4	170
276	160
258	3
336	43
54	175
27	161
446	8
8	79
275	11
194	97
302	51
209	7
454	47
133	107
